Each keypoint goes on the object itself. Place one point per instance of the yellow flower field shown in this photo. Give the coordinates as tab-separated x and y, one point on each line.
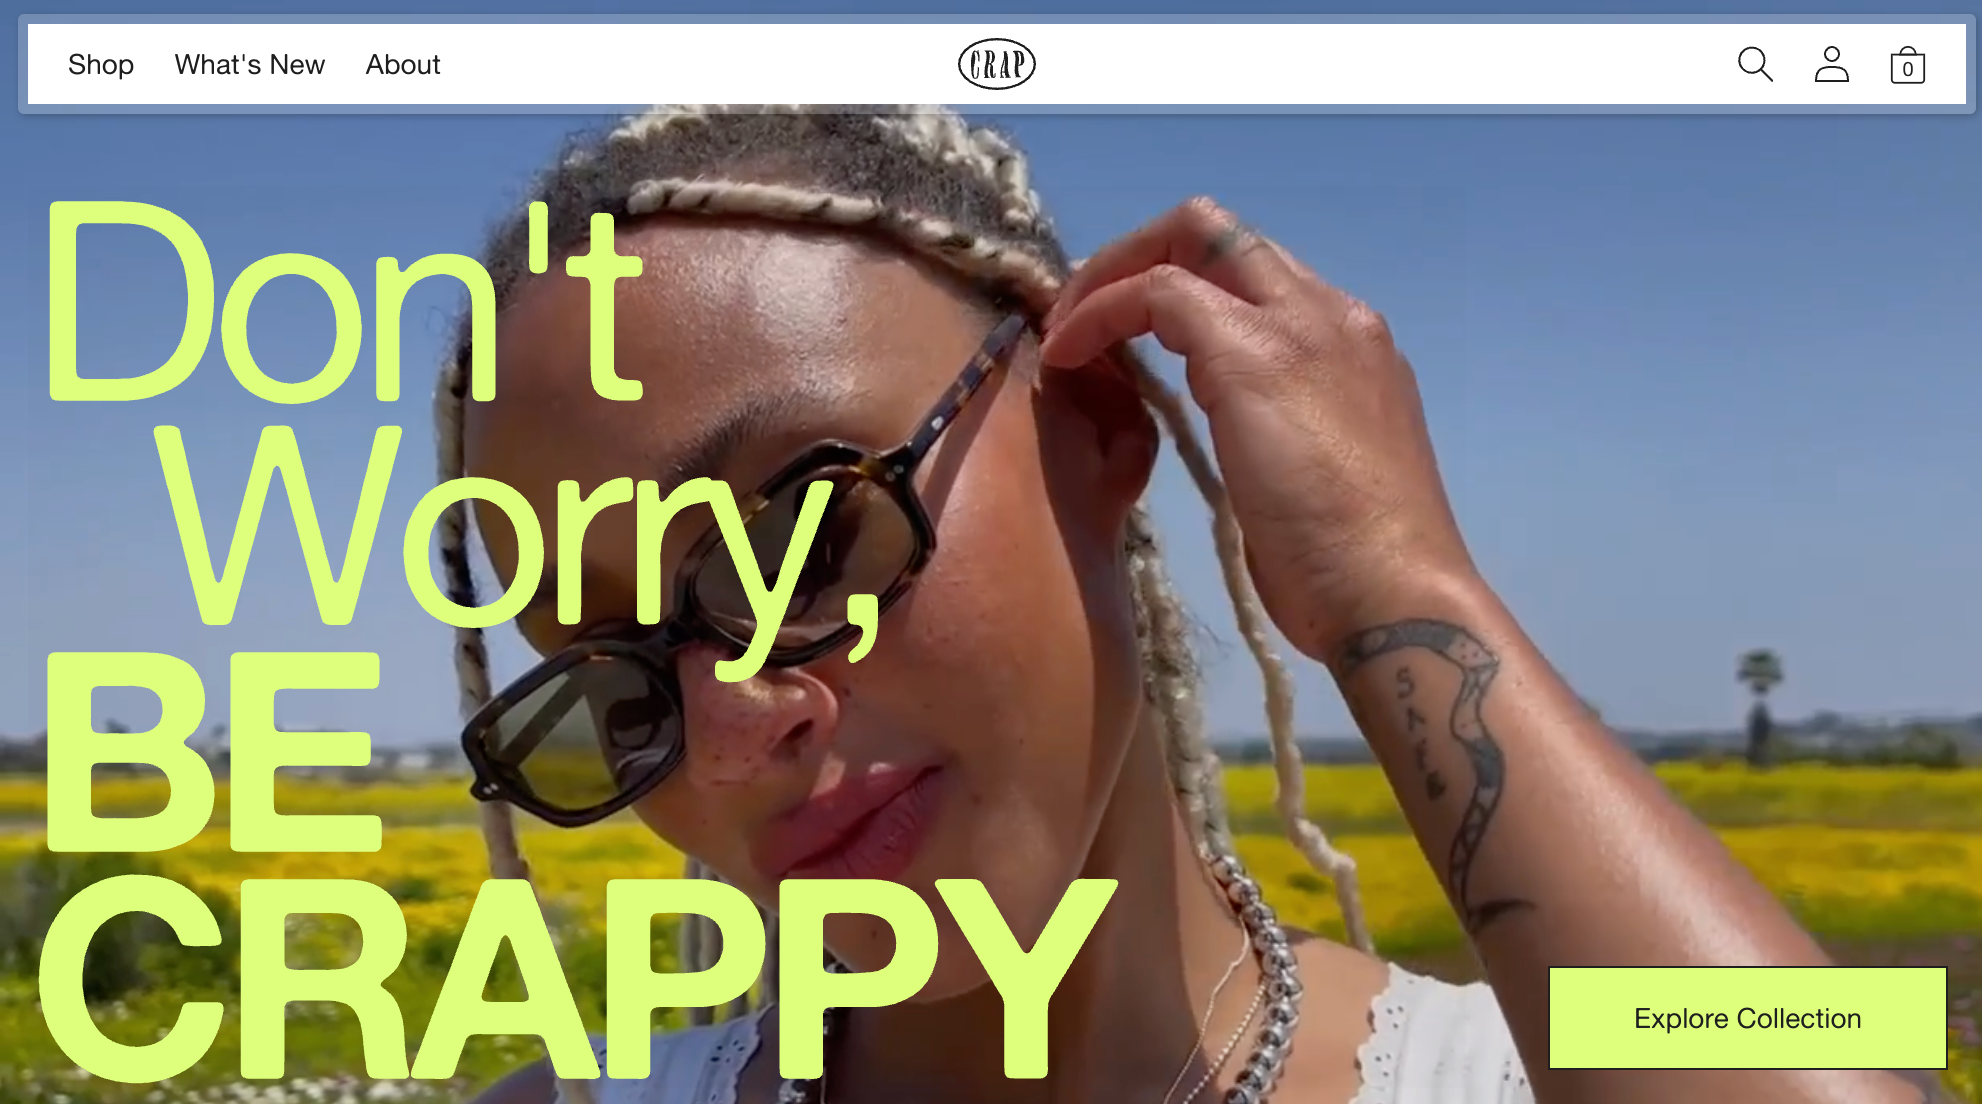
1344	799
1858	852
1884	859
1358	799
1849	881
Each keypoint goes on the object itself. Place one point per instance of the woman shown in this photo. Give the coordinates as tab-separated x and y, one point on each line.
1027	712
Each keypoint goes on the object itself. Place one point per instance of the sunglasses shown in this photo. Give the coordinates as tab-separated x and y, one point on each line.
597	725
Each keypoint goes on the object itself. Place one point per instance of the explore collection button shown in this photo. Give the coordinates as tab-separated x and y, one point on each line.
1748	1018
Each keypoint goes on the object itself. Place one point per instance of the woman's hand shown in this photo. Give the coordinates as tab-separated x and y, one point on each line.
1316	421
1314	414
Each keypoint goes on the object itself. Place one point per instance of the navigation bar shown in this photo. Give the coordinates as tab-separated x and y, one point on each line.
451	66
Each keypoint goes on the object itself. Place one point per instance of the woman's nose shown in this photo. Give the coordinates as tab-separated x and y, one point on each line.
741	732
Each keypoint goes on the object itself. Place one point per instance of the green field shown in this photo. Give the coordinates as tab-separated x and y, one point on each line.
1884	864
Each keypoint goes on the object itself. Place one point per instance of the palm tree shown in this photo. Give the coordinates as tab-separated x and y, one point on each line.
1761	669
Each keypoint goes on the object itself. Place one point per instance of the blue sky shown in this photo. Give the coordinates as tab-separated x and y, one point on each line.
1699	384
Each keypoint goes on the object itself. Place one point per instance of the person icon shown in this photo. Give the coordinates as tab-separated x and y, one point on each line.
1832	72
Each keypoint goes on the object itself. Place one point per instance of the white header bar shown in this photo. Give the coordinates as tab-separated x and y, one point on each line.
457	66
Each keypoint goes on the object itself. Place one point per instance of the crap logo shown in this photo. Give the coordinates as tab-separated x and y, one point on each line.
996	64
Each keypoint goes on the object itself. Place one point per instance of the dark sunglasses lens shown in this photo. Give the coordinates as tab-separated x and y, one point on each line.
589	734
864	543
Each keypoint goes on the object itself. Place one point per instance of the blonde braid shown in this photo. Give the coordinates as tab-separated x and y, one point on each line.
943	136
973	255
1171	680
471	653
1290	774
614	174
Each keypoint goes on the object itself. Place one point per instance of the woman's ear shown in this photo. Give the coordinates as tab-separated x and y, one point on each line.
1100	405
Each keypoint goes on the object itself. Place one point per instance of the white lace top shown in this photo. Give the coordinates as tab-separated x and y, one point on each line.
1431	1043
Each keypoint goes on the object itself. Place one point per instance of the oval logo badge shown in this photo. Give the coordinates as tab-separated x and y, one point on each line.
996	64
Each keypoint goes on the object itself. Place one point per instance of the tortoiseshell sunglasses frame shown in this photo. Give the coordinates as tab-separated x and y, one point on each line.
892	470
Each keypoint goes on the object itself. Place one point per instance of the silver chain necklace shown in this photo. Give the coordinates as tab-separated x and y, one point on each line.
1204	1028
1282	992
1231	1044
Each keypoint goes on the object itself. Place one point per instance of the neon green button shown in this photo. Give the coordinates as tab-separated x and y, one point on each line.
1748	1018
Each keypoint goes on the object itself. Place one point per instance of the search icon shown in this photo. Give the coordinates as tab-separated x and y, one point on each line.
1752	61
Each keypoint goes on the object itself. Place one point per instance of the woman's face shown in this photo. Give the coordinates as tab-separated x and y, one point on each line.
982	734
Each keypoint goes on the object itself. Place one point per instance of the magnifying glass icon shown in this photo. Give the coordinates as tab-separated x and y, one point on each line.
1752	61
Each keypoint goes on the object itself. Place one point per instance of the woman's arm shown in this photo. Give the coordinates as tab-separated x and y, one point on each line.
1555	844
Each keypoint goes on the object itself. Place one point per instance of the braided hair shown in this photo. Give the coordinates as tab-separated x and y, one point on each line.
925	180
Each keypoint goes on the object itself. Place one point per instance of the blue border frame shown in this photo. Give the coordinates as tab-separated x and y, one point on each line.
1967	108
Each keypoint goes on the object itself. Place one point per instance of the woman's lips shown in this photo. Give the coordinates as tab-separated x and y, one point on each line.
871	826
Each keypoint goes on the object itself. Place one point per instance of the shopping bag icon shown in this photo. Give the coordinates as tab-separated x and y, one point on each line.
1909	66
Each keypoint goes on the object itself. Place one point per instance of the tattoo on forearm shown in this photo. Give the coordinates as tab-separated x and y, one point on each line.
1467	726
1414	726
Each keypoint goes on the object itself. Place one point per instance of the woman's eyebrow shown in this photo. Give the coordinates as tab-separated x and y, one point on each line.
708	452
761	414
